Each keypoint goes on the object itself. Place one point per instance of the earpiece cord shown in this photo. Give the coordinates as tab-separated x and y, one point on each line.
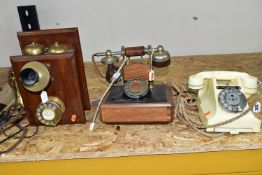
97	70
151	60
24	129
15	114
259	88
114	78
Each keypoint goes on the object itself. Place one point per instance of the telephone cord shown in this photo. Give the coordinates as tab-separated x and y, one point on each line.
114	78
97	70
20	139
15	114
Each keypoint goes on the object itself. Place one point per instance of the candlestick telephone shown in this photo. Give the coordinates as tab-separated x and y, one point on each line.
222	95
137	77
130	101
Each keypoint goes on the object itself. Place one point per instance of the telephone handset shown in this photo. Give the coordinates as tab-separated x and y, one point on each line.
137	77
223	95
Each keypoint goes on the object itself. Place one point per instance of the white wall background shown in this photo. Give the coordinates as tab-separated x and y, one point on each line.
223	26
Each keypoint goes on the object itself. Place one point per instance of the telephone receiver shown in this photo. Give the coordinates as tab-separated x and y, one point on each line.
246	81
159	57
14	86
222	95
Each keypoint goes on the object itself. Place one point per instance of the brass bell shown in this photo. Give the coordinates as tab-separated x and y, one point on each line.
57	48
161	57
34	49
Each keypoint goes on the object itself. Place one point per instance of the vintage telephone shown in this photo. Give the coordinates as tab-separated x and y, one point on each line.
222	95
136	99
57	41
41	80
35	77
50	76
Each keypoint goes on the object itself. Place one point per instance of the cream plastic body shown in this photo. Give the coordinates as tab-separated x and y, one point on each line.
210	110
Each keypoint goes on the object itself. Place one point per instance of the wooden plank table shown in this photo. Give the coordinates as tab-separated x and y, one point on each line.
70	142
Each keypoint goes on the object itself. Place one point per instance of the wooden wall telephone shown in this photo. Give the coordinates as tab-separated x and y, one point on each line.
57	41
223	95
41	81
50	76
136	99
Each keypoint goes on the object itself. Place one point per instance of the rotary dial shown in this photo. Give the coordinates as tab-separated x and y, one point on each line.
232	100
51	112
136	88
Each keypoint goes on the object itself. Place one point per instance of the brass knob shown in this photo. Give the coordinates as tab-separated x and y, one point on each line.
57	48
34	49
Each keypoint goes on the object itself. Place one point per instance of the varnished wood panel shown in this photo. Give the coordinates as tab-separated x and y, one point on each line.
138	113
136	70
133	113
67	36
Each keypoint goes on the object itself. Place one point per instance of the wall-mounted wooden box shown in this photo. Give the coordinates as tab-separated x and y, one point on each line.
64	84
67	36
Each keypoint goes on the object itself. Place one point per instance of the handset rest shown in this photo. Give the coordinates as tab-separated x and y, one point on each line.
196	81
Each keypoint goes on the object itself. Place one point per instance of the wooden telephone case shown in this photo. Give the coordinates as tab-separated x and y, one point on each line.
64	84
68	37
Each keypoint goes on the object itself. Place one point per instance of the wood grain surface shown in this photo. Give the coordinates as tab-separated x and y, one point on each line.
136	70
74	141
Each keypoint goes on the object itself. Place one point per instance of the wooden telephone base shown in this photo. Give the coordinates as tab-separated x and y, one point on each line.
156	107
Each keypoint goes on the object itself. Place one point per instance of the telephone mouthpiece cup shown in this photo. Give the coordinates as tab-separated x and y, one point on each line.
34	76
109	58
28	77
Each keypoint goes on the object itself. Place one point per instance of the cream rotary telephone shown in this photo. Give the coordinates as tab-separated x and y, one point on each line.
222	95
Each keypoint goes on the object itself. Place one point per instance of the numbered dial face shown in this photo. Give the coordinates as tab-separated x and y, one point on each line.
49	113
136	88
232	100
